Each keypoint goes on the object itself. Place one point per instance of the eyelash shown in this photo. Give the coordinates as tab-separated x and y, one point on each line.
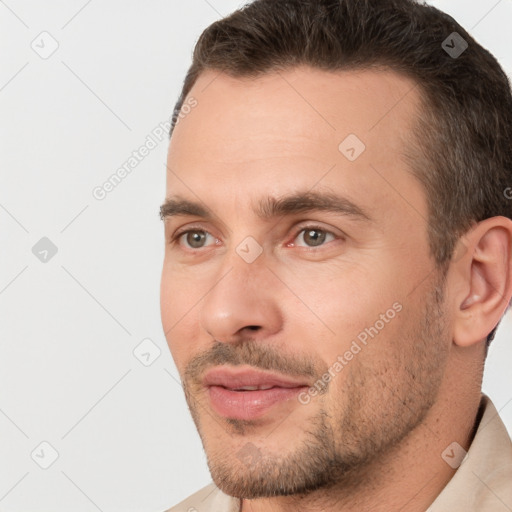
176	237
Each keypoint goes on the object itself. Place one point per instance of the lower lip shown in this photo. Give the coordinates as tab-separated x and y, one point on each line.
249	405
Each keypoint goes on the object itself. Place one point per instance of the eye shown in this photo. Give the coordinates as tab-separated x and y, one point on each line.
313	236
193	238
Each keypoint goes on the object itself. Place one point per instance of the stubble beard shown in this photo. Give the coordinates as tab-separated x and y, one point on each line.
381	404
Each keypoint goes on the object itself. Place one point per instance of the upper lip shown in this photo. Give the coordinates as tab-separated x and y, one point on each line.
236	378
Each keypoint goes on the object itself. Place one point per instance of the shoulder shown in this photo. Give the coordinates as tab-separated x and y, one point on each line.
483	480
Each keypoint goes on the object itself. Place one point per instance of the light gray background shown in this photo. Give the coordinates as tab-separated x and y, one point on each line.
68	327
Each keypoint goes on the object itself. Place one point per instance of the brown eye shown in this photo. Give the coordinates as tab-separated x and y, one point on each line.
313	237
194	239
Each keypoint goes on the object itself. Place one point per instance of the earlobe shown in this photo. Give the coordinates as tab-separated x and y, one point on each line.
485	280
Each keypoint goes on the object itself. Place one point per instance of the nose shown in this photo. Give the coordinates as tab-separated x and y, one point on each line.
242	302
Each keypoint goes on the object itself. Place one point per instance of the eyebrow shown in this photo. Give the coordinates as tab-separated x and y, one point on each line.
271	207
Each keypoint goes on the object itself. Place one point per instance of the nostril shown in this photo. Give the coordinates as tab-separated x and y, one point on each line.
253	327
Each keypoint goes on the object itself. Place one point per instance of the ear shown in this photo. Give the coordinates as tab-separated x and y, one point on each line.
483	280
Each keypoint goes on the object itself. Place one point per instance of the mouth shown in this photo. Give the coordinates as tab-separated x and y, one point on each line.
246	393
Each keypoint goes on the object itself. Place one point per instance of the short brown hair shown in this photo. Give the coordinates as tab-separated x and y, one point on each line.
461	149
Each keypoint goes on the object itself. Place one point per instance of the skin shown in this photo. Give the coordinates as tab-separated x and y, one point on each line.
372	440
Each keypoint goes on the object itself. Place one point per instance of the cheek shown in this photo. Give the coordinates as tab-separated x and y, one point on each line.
345	297
179	316
167	299
179	292
358	316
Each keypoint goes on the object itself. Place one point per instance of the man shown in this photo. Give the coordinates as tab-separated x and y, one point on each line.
338	257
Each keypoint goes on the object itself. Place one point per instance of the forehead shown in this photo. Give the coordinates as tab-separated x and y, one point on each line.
302	102
298	129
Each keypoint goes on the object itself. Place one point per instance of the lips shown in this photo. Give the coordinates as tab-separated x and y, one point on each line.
238	379
247	394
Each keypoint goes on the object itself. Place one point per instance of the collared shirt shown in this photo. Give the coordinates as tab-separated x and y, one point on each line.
482	483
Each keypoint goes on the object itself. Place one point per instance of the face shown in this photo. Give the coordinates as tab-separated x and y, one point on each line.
297	260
